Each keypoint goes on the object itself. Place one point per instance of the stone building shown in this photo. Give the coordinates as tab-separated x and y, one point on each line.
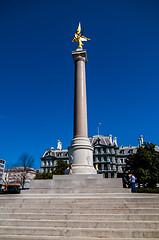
107	154
48	161
19	175
2	166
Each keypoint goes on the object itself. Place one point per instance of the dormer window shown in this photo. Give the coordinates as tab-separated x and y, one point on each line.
122	151
131	151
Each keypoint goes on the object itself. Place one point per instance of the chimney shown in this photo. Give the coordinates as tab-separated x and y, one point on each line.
110	138
115	141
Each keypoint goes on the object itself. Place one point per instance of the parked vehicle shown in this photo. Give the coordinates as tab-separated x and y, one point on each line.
11	188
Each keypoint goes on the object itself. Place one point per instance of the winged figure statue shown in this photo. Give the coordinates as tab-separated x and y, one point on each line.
78	37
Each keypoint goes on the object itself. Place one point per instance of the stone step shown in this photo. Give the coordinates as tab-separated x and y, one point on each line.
61	199
91	217
83	210
86	184
108	196
77	181
81	232
70	190
81	177
81	224
26	237
81	205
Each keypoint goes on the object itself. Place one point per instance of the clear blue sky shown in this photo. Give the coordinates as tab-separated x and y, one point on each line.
37	72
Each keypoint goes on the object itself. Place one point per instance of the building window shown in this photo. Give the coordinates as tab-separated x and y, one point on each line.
105	167
99	159
104	150
98	150
106	175
122	160
110	159
99	166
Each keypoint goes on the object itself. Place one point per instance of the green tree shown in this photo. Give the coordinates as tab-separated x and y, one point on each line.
145	165
43	175
60	168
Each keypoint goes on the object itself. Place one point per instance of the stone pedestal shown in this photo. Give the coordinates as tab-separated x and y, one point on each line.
80	151
81	156
77	184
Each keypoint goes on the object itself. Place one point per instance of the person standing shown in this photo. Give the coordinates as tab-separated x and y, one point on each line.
97	169
70	173
133	183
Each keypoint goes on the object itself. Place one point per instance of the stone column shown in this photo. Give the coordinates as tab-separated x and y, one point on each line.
80	151
80	103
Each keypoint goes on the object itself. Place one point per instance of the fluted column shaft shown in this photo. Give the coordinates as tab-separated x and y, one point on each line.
80	151
80	102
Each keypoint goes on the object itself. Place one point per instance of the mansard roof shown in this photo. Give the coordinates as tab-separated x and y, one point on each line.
96	140
101	140
56	153
128	149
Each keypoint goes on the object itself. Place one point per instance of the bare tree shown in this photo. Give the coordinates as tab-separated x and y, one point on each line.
25	162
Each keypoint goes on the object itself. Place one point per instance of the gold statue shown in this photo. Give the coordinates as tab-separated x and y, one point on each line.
78	37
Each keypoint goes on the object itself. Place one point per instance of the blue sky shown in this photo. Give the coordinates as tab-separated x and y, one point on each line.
37	72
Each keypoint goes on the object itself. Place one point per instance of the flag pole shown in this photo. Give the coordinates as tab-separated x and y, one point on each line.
98	127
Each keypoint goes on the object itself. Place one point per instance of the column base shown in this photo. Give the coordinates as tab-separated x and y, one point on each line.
81	156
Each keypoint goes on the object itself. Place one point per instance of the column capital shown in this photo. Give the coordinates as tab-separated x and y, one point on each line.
79	56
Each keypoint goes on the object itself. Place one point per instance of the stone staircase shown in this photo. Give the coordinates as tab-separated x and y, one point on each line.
87	216
78	184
